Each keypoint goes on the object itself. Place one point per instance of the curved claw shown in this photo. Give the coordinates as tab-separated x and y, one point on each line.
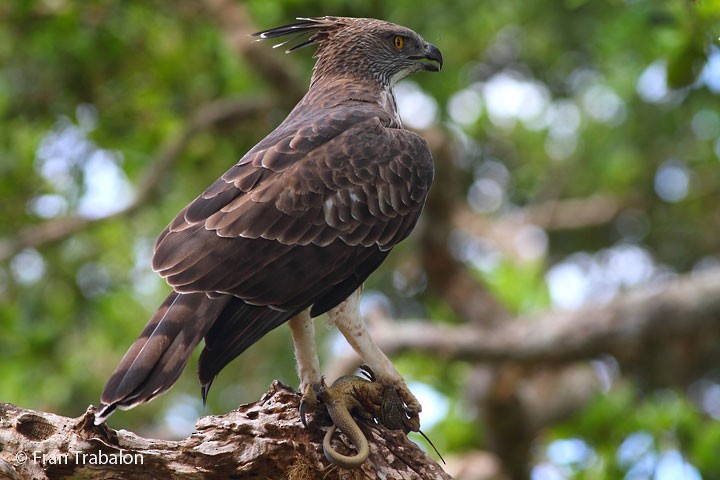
367	371
303	411
309	400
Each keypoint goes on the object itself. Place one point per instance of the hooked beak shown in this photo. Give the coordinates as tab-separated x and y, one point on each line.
433	54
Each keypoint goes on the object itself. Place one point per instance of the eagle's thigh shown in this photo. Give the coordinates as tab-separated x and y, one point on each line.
346	317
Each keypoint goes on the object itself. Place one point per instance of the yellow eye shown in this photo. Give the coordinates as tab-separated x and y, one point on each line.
399	42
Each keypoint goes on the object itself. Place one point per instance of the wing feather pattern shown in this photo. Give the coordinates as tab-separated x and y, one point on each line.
299	222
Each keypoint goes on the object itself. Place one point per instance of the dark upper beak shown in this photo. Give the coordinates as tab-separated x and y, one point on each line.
433	54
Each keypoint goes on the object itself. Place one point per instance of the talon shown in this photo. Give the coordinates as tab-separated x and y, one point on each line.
412	415
303	410
408	398
367	371
309	400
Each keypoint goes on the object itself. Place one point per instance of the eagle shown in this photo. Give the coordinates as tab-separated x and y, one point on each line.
295	227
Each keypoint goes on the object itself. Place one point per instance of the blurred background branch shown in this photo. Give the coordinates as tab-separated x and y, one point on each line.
52	231
673	311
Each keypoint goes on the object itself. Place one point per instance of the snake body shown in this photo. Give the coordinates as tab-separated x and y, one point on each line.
340	399
367	399
359	442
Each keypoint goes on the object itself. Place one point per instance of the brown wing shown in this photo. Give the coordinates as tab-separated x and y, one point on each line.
302	221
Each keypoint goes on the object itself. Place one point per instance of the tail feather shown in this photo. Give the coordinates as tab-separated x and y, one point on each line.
154	362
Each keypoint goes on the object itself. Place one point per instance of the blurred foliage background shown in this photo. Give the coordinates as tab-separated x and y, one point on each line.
577	147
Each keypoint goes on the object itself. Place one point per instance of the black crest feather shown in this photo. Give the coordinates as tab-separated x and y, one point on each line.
317	27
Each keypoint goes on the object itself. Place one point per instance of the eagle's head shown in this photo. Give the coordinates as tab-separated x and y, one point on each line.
361	48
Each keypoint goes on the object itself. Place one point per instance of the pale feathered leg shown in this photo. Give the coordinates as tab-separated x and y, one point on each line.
348	320
308	364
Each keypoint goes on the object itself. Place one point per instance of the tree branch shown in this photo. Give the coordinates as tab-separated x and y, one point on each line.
264	439
676	308
287	83
564	214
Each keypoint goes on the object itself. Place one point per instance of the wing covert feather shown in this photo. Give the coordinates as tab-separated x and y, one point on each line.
312	208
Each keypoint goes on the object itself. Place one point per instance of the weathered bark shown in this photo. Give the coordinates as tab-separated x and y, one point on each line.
264	440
